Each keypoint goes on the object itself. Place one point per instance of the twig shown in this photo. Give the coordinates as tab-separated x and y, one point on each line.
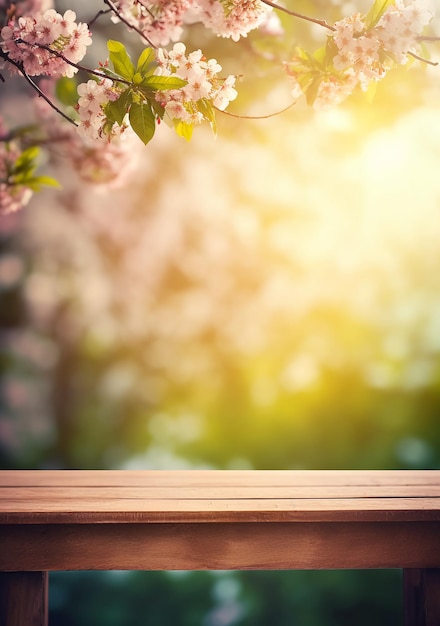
110	4
427	61
60	55
20	67
427	38
98	15
147	9
300	16
257	117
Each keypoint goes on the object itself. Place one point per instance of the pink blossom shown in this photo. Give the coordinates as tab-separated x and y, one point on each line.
202	79
23	37
159	20
240	17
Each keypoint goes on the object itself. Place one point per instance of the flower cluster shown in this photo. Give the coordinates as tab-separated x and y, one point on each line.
203	84
401	24
232	18
93	97
39	42
361	49
366	52
161	21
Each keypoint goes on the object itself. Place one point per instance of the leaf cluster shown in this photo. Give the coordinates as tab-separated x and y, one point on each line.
22	171
138	86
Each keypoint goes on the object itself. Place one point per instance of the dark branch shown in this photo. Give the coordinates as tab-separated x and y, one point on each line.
98	15
75	65
20	68
110	4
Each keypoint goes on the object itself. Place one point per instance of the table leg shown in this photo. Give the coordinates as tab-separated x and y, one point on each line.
422	597
23	598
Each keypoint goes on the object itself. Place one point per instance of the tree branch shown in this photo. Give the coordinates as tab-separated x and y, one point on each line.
60	55
34	86
427	61
112	7
256	117
300	16
98	15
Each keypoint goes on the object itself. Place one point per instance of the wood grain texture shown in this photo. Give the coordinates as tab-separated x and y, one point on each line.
23	599
216	478
217	496
200	546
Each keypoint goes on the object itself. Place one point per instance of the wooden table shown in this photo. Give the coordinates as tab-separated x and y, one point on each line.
197	520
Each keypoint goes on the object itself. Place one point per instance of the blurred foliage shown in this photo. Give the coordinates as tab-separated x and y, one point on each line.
268	300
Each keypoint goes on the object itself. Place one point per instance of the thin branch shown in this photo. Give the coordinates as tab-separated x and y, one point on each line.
98	15
256	117
147	9
427	61
34	86
427	38
110	4
300	16
60	55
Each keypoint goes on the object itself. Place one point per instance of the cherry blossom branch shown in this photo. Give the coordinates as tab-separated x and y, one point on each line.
423	60
82	68
427	38
300	16
112	7
256	117
98	15
33	84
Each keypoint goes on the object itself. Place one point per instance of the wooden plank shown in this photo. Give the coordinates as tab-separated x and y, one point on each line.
220	546
23	598
70	492
422	597
163	511
216	478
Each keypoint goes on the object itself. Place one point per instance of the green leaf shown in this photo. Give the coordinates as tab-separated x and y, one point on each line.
312	90
161	83
320	55
142	121
66	91
120	58
183	129
118	109
331	50
375	13
25	164
207	110
146	61
36	182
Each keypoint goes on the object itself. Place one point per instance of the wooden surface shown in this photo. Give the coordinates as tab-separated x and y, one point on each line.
62	520
222	546
214	496
53	520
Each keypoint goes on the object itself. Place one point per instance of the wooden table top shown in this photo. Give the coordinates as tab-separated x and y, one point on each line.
94	497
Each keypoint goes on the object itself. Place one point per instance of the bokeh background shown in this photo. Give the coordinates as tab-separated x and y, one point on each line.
266	299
